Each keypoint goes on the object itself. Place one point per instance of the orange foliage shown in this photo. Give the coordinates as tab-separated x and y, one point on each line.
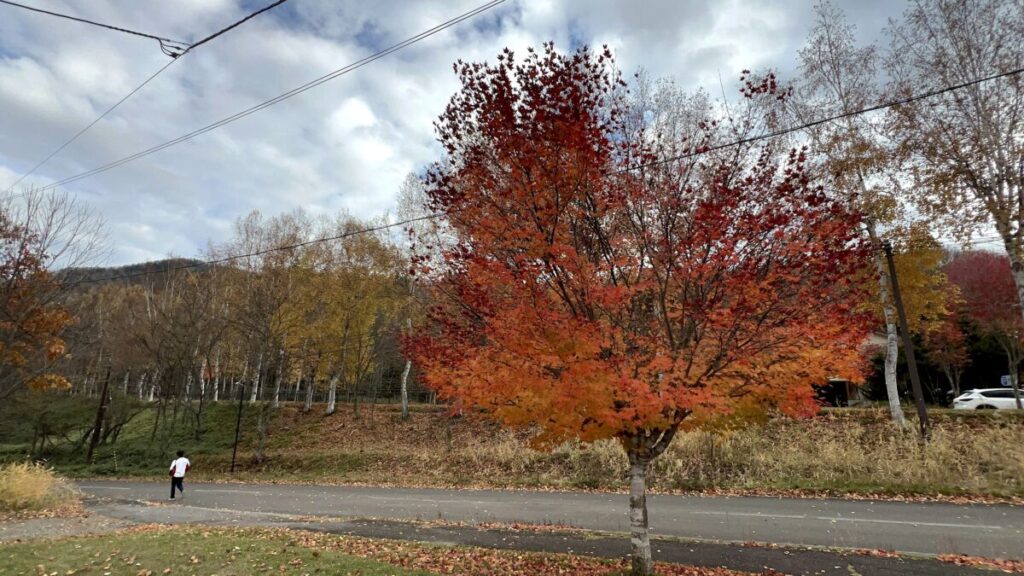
594	302
30	321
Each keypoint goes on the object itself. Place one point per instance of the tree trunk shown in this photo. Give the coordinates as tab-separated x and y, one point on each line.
643	564
310	386
642	447
278	377
405	378
405	389
1017	268
216	377
331	392
256	382
892	349
1012	349
340	374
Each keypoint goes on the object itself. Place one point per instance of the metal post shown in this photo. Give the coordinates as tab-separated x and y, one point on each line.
908	345
238	424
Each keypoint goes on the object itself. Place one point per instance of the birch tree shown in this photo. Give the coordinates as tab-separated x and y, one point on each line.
965	147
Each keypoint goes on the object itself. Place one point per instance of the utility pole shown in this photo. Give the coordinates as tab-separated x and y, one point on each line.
101	411
908	345
238	424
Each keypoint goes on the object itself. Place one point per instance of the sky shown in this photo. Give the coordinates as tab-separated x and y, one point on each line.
346	145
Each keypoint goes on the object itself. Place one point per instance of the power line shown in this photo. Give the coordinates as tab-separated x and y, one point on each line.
236	24
826	120
702	151
226	259
188	49
284	96
172	48
86	128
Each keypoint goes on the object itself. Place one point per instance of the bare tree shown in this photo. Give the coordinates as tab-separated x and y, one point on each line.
837	76
965	148
41	232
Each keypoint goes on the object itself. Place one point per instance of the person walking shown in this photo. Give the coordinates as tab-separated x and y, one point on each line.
179	467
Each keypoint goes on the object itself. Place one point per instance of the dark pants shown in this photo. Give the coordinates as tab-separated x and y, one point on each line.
179	484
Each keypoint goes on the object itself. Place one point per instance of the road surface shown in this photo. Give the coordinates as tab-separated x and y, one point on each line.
926	528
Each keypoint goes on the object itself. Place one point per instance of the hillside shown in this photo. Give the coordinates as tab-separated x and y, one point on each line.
132	272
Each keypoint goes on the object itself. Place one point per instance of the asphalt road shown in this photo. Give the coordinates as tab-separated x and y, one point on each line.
927	528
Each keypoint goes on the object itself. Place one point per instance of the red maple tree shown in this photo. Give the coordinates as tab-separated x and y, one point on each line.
587	300
989	296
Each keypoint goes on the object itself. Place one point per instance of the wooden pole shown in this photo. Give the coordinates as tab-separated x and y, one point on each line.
908	345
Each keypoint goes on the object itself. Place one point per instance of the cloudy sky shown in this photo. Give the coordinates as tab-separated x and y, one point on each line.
345	145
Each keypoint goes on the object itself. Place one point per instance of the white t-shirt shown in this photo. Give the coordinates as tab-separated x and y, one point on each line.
179	466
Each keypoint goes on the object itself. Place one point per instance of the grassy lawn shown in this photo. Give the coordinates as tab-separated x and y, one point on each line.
185	551
154	551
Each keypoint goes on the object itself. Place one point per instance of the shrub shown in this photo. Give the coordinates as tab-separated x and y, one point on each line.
32	486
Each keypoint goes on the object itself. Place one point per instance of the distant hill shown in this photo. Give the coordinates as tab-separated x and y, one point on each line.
131	272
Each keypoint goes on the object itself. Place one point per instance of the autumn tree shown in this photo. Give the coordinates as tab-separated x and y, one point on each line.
427	236
840	76
989	295
38	233
965	147
586	298
946	346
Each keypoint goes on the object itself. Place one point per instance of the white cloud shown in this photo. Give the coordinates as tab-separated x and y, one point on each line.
344	145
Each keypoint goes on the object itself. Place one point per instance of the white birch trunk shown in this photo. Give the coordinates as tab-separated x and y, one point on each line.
216	378
277	378
256	380
142	384
892	349
295	387
405	377
331	392
1017	268
310	387
339	375
202	380
124	385
643	564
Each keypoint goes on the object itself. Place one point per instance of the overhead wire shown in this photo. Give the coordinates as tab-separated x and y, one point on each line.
188	48
168	46
270	6
707	150
282	97
826	120
232	258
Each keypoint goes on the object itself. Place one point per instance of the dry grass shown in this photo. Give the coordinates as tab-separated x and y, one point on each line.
840	451
32	487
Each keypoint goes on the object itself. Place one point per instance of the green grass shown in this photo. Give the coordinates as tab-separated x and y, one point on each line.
183	551
138	452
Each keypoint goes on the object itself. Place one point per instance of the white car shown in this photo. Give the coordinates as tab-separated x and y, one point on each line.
986	399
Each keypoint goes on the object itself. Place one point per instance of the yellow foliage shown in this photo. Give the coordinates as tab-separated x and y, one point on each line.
925	290
49	382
